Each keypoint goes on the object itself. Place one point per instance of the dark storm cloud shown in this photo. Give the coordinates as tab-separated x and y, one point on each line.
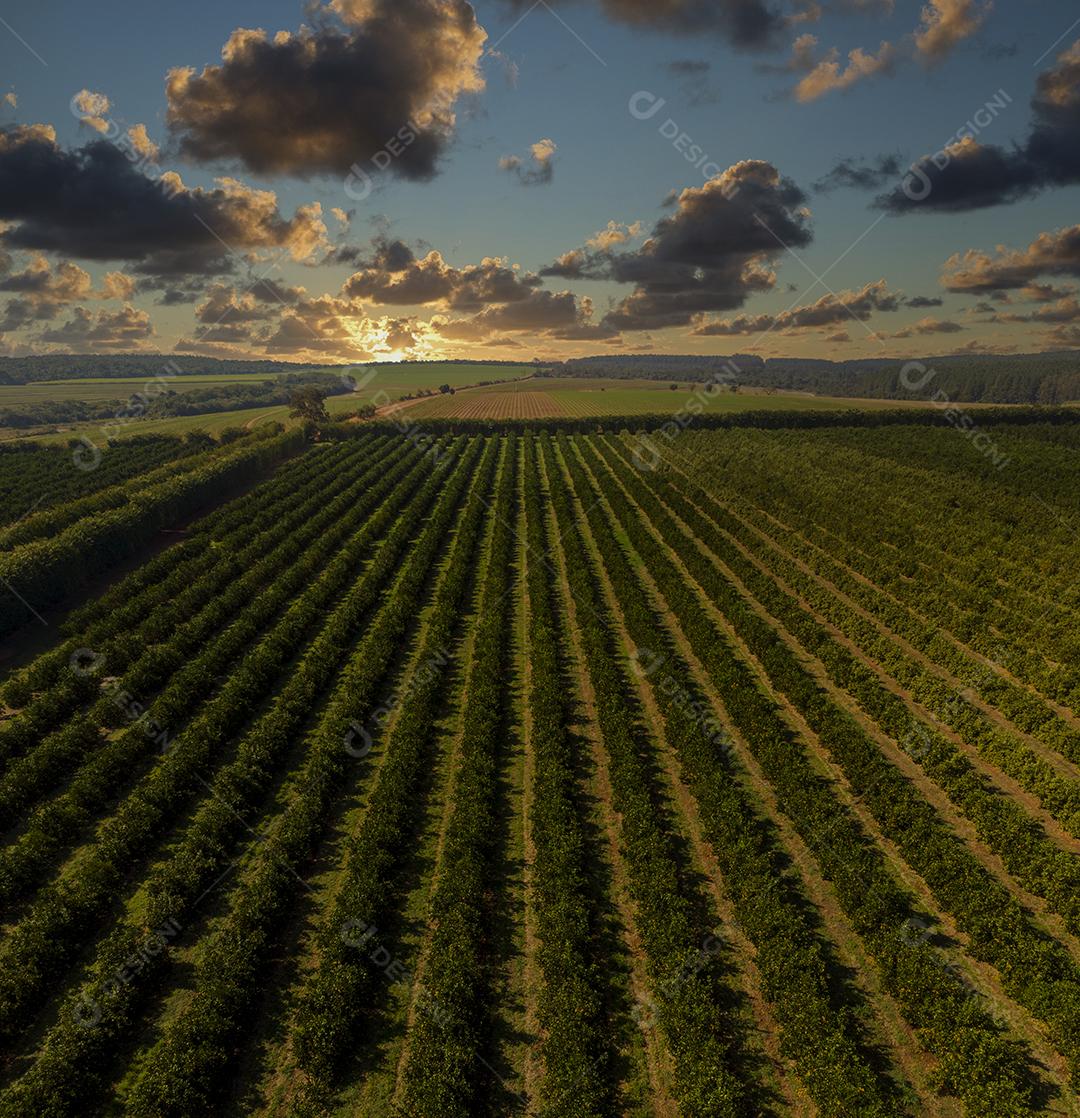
744	23
1054	145
559	315
711	254
383	88
969	175
93	204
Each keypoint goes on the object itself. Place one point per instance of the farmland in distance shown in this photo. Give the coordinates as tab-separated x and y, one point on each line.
558	397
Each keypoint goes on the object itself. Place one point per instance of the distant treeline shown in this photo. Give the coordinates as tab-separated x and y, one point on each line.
911	417
168	403
66	366
1041	378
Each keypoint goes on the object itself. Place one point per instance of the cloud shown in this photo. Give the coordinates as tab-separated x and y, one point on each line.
1066	309
224	304
394	275
321	101
750	24
998	52
973	176
480	303
91	108
93	204
968	175
928	326
975	346
44	290
827	311
510	69
543	312
803	58
923	301
324	325
174	290
615	233
711	254
1044	292
945	24
1050	254
233	322
11	99
861	174
694	74
477	302
1054	144
125	329
827	76
540	172
41	291
811	12
141	143
331	326
1064	337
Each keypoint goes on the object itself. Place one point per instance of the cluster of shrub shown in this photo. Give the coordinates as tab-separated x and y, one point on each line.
171	403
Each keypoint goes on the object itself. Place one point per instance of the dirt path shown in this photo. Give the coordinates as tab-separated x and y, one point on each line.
257	419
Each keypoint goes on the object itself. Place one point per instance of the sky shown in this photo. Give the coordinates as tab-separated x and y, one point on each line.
384	179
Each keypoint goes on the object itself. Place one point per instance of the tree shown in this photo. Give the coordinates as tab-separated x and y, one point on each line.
445	389
309	402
